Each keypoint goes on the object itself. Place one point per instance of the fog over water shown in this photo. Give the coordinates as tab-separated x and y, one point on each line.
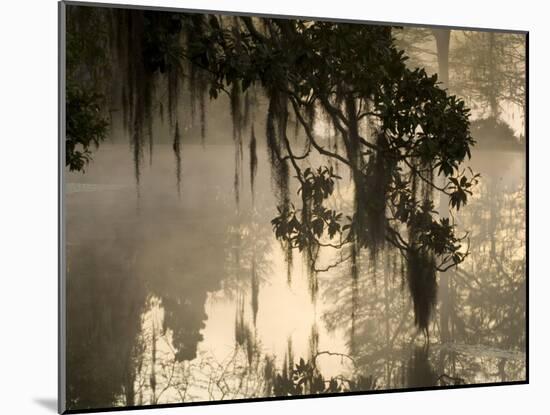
160	280
228	239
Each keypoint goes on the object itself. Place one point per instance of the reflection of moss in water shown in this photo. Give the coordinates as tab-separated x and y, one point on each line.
275	124
103	315
305	378
255	289
492	281
244	335
313	341
419	371
247	247
487	296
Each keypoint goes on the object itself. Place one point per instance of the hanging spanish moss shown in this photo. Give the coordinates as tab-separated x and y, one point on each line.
253	160
176	146
137	78
125	111
377	182
275	126
311	254
236	176
246	110
195	82
287	248
420	263
173	85
279	166
360	190
236	116
197	85
422	282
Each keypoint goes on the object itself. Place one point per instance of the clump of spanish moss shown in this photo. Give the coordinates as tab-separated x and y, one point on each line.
279	166
236	114
131	53
246	109
136	152
377	181
275	134
253	160
197	85
422	282
421	273
176	146
173	87
289	261
197	77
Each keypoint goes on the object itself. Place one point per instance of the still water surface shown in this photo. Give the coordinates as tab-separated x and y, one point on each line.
185	296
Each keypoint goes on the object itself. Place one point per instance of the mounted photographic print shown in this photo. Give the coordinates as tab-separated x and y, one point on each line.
268	207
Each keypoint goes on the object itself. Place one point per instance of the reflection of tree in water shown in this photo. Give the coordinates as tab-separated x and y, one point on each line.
486	301
248	244
171	263
492	281
105	302
119	282
375	312
304	376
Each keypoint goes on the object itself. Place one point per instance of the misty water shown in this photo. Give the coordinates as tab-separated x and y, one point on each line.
186	295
